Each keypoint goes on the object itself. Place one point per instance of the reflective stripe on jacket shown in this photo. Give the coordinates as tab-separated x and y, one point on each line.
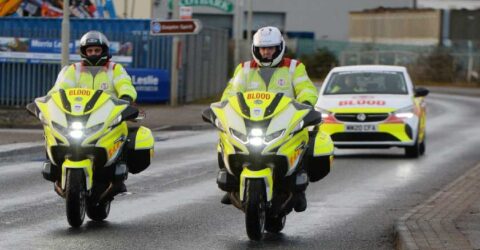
111	78
290	78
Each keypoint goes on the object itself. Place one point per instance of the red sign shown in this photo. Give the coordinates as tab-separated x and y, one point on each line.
175	27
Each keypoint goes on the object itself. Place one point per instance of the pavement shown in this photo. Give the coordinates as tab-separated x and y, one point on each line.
450	219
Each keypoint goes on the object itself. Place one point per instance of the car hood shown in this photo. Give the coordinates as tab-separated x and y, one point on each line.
339	102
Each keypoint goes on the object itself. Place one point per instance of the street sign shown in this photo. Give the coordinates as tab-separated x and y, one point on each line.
175	27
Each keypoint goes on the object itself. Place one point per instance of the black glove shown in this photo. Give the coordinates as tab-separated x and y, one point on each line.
307	103
127	98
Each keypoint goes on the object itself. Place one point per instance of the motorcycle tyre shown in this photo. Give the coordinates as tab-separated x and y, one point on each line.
255	209
75	197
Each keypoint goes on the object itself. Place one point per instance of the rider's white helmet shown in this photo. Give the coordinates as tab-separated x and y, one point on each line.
268	37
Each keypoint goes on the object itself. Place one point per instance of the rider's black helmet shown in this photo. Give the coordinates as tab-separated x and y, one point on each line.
94	38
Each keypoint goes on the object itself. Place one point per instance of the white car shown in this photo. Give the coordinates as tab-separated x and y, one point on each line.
373	106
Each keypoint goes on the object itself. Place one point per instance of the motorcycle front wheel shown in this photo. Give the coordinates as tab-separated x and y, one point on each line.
255	209
75	197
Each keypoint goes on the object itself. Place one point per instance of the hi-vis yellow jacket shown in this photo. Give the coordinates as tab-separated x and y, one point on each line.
111	78
290	78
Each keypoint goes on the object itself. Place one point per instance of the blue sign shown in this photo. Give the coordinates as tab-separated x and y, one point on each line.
152	85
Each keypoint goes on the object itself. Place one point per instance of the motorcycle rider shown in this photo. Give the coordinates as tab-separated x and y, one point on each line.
96	71
271	71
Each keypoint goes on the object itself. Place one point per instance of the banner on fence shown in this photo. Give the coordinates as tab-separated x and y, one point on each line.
152	85
33	50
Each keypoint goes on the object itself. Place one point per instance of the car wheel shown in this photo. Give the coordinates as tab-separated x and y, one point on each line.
413	151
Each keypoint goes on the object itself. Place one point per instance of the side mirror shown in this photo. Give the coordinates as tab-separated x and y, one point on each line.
129	113
421	92
313	118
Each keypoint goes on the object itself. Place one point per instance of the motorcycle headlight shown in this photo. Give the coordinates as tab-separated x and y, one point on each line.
239	136
274	135
256	141
76	130
76	134
405	113
256	132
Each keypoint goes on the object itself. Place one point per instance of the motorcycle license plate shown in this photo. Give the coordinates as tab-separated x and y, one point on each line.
360	127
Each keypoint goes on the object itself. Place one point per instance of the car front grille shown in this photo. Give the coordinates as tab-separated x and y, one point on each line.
354	117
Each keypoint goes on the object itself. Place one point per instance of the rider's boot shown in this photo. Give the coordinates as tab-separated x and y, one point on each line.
48	171
301	203
226	199
121	174
301	185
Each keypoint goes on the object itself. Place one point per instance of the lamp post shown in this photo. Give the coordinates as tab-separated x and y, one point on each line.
174	74
66	33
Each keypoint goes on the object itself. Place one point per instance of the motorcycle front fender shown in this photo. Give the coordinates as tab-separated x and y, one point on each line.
265	174
87	167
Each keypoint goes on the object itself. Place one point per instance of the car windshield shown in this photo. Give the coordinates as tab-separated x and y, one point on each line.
384	82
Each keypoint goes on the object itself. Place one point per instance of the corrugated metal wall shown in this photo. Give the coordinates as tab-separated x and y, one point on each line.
419	27
205	64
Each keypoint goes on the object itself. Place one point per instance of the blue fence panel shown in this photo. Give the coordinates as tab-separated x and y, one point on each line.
21	82
152	85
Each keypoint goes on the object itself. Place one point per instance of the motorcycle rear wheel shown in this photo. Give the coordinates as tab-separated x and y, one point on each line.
255	209
75	197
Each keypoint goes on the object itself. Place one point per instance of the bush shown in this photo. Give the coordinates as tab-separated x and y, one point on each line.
319	64
437	66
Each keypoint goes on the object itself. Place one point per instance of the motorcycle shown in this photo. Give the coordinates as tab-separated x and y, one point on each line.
90	148
265	151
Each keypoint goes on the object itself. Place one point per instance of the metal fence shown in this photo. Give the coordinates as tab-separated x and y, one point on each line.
203	70
457	63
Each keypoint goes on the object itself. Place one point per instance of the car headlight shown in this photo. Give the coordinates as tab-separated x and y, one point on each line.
405	113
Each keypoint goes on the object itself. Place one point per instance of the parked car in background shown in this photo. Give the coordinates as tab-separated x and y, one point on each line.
373	106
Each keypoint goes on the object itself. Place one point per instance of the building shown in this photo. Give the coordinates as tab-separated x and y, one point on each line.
318	19
449	4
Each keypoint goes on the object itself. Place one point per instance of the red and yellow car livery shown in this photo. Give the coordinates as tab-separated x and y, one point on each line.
373	106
